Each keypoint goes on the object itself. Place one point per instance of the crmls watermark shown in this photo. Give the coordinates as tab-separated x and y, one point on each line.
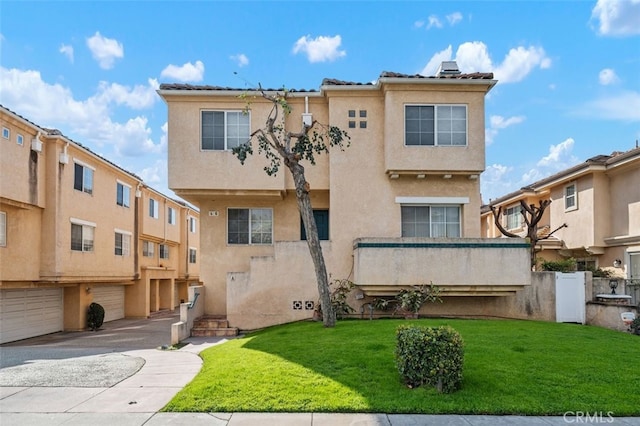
582	417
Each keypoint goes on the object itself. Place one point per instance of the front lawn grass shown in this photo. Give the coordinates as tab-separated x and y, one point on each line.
510	367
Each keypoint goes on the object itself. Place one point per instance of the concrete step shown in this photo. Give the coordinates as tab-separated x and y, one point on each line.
211	323
214	332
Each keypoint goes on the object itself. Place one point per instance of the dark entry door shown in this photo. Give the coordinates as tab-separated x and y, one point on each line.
322	222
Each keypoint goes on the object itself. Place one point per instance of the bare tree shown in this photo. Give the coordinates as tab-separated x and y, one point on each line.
532	215
279	145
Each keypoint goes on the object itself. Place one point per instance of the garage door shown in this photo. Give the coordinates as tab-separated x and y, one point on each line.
111	298
30	312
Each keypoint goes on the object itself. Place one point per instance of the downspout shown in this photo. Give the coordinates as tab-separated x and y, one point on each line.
136	234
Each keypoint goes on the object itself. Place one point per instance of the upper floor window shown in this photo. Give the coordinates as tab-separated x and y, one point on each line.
123	194
122	243
192	255
164	251
436	125
431	221
153	208
223	130
192	225
20	139
570	197
6	133
513	217
171	216
249	226
3	229
148	249
82	233
83	178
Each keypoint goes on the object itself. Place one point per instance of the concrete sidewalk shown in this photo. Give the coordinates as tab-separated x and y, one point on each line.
37	388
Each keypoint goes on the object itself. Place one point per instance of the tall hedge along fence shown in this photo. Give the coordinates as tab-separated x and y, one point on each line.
430	355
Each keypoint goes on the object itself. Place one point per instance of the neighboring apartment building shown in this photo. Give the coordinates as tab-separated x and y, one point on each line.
398	207
75	229
599	200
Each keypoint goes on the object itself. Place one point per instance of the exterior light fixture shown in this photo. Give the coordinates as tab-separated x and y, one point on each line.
613	284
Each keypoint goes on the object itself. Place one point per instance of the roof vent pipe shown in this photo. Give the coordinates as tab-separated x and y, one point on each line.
447	68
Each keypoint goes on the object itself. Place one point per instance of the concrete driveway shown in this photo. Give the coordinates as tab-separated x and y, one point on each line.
85	358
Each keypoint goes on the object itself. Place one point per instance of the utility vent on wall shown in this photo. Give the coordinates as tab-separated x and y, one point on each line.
36	145
214	213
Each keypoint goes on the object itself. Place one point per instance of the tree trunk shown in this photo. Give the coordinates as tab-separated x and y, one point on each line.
306	211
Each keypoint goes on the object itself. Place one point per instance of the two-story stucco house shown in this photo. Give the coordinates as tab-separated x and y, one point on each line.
400	206
598	199
75	229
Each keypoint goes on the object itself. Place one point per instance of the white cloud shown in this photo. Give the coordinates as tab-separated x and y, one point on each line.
67	51
474	57
623	106
617	17
105	50
241	59
320	49
559	156
156	174
418	24
454	18
495	182
86	121
434	21
187	72
497	123
607	76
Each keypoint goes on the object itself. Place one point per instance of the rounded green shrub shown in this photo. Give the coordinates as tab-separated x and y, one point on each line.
430	355
95	316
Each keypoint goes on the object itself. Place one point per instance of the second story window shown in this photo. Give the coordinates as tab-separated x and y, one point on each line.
122	243
192	225
249	226
3	229
431	221
164	251
20	139
192	255
153	208
83	178
435	125
224	130
171	216
123	194
148	249
82	233
6	133
513	217
570	197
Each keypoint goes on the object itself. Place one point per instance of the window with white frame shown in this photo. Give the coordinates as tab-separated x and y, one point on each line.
164	251
436	125
3	229
123	194
148	249
82	235
192	225
570	197
20	139
171	216
83	178
513	217
432	221
249	226
224	130
6	133
122	243
153	208
192	255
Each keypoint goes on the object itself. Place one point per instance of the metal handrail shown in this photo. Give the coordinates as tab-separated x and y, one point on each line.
193	302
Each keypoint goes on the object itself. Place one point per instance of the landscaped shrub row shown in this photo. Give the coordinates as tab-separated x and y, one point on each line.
430	355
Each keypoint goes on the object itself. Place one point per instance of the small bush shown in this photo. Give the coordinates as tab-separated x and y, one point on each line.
566	265
430	355
635	326
95	316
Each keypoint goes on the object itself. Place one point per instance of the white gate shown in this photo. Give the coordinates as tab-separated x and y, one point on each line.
570	297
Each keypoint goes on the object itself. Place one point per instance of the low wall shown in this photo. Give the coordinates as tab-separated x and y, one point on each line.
608	315
189	312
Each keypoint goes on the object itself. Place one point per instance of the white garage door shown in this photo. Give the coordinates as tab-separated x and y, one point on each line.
30	312
111	298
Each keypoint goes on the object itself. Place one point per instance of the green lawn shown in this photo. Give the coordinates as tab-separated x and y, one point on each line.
510	367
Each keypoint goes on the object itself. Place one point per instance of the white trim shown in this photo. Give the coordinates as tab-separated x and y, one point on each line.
82	222
123	183
83	164
432	200
120	231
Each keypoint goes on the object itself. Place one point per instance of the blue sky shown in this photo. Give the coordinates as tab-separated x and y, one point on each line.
568	71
